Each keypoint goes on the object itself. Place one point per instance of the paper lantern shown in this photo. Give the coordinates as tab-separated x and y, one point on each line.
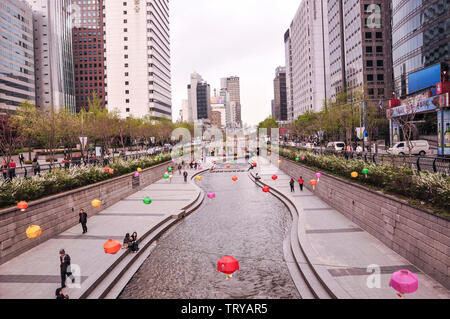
279	161
297	159
228	265
22	206
228	166
303	158
211	195
266	189
166	176
318	176
404	281
111	171
313	183
139	169
365	172
147	200
112	247
33	231
96	203
274	177
160	159
254	164
355	174
170	169
136	174
106	169
199	178
234	178
200	168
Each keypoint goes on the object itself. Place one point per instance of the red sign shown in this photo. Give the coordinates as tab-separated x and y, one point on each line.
442	87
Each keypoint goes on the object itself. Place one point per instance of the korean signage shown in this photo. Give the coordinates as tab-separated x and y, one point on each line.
417	105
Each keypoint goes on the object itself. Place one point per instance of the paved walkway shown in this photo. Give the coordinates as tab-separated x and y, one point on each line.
344	248
35	274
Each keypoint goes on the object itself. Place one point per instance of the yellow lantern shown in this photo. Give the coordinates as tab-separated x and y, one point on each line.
355	174
199	178
96	203
139	169
33	231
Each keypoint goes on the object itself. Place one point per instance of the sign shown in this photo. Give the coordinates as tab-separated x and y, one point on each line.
360	132
424	78
83	141
419	105
444	131
395	131
98	151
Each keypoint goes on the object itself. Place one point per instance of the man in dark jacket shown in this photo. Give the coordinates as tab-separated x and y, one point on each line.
185	174
65	268
83	220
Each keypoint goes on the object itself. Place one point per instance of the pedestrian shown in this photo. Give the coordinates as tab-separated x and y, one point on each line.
21	159
191	165
179	168
170	178
66	163
60	294
134	245
185	175
5	170
65	268
12	169
291	183
83	220
301	181
195	165
126	241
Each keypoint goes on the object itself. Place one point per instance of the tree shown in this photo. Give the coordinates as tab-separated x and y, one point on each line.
27	116
10	136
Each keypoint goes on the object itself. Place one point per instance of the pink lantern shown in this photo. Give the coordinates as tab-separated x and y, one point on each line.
136	174
405	282
200	168
318	175
303	158
211	195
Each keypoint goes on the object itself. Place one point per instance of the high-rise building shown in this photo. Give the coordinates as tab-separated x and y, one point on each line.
191	114
360	47
203	101
307	58
289	72
53	56
420	38
232	85
17	82
185	110
218	110
137	41
88	51
279	107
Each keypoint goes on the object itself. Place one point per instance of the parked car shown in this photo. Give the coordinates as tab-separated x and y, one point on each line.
420	147
151	151
336	146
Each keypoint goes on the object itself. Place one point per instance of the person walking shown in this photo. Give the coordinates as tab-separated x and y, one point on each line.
185	175
83	220
301	181
179	168
65	268
292	183
12	169
21	159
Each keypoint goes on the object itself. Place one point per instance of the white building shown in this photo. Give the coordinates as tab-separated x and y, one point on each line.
53	56
307	59
232	86
191	110
218	104
17	83
137	43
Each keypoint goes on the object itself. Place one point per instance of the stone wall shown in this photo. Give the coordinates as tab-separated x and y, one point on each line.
421	237
57	213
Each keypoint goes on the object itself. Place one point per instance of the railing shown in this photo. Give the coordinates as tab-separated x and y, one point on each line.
420	163
29	171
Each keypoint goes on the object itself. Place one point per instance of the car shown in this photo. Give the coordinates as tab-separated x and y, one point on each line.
151	151
309	145
336	146
420	147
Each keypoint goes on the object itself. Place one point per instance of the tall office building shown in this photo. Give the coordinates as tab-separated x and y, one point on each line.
420	38
232	86
307	58
137	44
279	107
203	101
53	56
289	72
17	83
88	51
360	47
191	113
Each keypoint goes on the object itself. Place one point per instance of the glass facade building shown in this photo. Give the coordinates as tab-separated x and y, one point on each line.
420	37
17	83
203	101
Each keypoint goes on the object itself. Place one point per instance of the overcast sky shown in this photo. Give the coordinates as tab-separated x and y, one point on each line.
219	38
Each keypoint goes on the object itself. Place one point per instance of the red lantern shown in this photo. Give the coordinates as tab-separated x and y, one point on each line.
274	177
228	166
228	265
106	169
22	206
112	247
266	189
234	178
254	164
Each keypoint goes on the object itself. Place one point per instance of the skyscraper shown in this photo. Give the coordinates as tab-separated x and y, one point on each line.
53	56
203	101
232	86
279	111
191	114
307	58
88	51
17	82
420	38
138	57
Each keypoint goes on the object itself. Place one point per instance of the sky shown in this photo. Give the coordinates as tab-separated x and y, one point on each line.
220	38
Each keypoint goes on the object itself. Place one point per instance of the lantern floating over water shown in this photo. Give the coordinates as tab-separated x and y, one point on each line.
365	172
147	200
234	178
274	177
266	189
199	178
355	174
22	206
228	265
139	169
313	183
112	247
211	195
405	282
33	231
318	175
96	203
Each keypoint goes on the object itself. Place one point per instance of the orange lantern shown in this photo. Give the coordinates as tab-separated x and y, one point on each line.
139	170
199	178
228	166
234	178
313	183
111	171
106	169
33	231
96	203
22	206
112	247
355	174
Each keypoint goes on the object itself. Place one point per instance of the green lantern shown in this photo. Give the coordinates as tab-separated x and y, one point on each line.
147	200
166	176
170	169
365	172
297	159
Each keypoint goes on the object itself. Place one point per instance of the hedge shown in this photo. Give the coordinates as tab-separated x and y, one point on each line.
61	180
430	188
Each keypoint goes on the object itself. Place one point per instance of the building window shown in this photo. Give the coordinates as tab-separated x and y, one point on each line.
380	63
127	101
369	63
380	77
370	91
379	49
368	35
368	49
369	77
378	35
127	110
